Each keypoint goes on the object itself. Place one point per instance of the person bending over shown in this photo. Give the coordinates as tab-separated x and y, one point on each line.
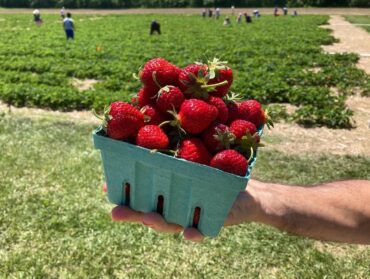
155	27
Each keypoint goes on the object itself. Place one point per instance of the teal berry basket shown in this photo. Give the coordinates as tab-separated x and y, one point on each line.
176	188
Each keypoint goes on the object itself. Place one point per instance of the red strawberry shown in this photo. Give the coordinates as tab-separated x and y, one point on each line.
152	137
223	112
217	137
196	115
191	78
122	120
193	150
153	116
145	97
169	98
233	108
252	111
157	73
241	127
135	101
219	72
230	161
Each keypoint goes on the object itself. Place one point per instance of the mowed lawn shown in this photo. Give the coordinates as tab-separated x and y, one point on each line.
55	219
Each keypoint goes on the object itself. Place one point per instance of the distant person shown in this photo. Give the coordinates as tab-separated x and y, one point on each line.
295	13
155	27
210	13
37	17
285	10
69	27
227	21
239	18
62	13
204	13
232	10
256	13
248	18
276	12
218	13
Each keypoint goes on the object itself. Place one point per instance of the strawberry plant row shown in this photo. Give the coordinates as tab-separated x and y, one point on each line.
275	60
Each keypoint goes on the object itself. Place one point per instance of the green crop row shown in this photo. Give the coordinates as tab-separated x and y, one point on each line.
275	60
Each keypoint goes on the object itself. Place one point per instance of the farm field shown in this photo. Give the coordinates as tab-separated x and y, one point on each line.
365	20
55	219
38	66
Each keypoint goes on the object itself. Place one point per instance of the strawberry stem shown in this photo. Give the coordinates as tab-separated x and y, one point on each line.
154	76
214	85
251	156
97	115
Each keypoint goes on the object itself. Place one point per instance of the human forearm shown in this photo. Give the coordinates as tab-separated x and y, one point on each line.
337	211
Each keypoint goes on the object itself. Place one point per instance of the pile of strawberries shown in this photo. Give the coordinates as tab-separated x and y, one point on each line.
189	114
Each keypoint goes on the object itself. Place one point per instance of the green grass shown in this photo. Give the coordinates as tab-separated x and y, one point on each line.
272	60
55	220
360	20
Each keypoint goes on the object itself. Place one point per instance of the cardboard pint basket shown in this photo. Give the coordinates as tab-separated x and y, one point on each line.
142	180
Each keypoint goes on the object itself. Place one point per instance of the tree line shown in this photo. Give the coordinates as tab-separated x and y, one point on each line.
178	3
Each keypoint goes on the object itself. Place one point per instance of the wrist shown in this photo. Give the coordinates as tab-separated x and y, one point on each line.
268	204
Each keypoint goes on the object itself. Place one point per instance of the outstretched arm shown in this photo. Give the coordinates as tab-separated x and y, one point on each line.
338	211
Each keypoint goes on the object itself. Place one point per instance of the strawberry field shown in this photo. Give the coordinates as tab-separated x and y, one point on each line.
55	220
275	60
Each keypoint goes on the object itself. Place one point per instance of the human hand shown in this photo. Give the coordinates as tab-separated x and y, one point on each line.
242	211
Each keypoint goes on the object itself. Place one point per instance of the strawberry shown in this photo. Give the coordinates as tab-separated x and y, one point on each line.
194	150
122	120
169	98
219	72
157	73
195	116
192	78
252	111
194	81
152	137
230	161
145	97
241	127
233	111
217	137
152	115
223	112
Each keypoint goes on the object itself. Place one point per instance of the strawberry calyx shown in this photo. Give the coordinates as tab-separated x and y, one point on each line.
233	97
268	120
214	66
174	123
225	138
105	118
248	144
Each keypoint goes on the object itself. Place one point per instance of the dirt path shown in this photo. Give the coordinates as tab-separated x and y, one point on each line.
318	11
295	139
351	39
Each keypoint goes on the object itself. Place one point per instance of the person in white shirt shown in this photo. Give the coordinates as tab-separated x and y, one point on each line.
62	13
68	25
37	17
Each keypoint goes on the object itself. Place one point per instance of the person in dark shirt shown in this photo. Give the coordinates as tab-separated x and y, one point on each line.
155	27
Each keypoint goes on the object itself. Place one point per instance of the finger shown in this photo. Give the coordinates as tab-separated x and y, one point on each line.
104	187
156	222
193	234
124	213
